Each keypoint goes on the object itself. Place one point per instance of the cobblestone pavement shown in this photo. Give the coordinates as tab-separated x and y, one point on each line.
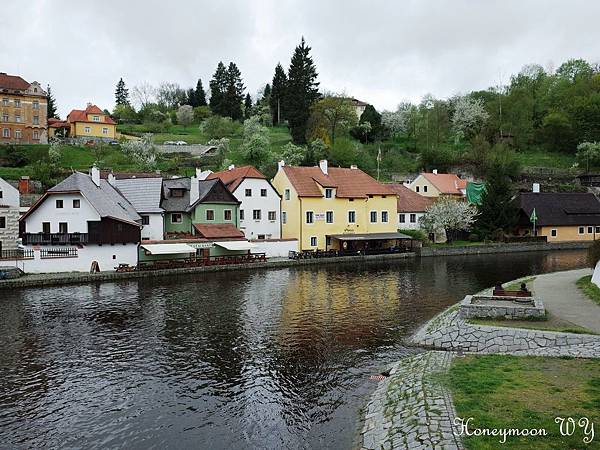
448	331
410	410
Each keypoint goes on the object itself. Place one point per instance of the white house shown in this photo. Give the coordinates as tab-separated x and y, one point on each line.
260	210
9	216
434	184
411	207
82	220
145	195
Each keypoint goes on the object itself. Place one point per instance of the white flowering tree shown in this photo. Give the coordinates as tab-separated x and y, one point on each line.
292	154
469	116
142	151
185	115
449	215
256	146
395	121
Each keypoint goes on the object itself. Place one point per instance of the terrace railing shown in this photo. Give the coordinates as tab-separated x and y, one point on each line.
16	254
68	252
54	238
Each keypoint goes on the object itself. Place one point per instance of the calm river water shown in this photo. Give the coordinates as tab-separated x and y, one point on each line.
262	359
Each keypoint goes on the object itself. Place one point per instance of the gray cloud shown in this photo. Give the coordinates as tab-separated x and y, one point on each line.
380	51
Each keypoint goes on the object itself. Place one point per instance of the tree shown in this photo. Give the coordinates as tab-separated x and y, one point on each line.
277	97
170	95
52	108
218	85
395	121
588	153
256	145
196	97
121	94
334	114
124	114
185	115
144	94
292	154
143	152
557	132
469	116
302	91
234	93
247	106
449	215
369	127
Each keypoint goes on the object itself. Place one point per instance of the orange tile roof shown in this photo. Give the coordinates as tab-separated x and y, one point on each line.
410	201
349	183
232	178
218	231
79	115
446	183
13	82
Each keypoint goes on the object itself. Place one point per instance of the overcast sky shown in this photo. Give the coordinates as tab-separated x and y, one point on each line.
382	52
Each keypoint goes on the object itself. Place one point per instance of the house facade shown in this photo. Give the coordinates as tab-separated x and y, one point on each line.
560	216
410	206
434	184
23	111
81	221
91	123
10	201
260	203
324	208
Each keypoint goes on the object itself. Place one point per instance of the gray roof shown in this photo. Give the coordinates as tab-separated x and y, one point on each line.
143	193
105	199
177	204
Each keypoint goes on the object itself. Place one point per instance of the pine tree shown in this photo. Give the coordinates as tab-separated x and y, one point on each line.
200	96
247	106
121	93
278	94
234	93
190	95
302	91
52	108
218	86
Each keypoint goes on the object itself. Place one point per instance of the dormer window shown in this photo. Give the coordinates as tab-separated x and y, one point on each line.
96	118
328	193
177	192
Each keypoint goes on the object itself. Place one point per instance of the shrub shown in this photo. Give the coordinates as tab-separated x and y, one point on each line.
16	156
593	254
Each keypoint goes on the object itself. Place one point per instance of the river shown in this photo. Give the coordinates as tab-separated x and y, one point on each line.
257	359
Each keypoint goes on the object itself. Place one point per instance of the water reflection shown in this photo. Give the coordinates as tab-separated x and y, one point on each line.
274	359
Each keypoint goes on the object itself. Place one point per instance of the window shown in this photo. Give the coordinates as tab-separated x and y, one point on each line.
1	194
176	218
553	233
4	117
590	230
77	204
177	192
18	118
2	222
241	214
63	227
36	120
370	195
17	103
59	203
597	228
4	102
327	241
96	118
18	134
287	194
227	214
424	188
351	216
402	218
6	132
145	220
272	216
284	217
248	192
384	216
373	216
263	192
413	218
87	130
313	241
417	189
581	230
310	217
104	130
261	237
329	217
36	134
35	104
210	214
46	227
328	193
256	215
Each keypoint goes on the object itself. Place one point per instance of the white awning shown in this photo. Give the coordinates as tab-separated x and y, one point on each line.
236	245
167	249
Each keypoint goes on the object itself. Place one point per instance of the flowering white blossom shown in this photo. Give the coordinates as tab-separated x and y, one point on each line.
395	121
448	214
185	115
469	116
142	151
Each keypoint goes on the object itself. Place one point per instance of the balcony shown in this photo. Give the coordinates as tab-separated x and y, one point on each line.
54	238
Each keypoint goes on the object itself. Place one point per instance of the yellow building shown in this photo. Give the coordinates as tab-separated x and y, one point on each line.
434	184
336	208
91	123
560	216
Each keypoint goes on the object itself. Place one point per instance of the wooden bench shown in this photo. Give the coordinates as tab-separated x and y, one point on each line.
504	293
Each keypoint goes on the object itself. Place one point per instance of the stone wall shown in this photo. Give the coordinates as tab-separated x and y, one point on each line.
480	306
501	248
9	234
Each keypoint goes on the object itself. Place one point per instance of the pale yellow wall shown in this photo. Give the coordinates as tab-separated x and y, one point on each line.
421	181
570	233
78	130
296	208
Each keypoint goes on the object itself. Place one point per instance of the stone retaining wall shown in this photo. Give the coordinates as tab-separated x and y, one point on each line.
501	248
482	306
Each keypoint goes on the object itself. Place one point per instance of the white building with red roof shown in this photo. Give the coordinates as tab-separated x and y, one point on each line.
434	184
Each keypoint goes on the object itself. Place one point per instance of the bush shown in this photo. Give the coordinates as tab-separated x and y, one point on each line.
416	234
216	127
593	255
16	156
474	237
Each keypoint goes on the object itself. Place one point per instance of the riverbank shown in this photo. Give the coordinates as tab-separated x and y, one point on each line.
501	247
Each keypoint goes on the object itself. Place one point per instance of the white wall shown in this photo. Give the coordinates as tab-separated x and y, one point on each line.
276	249
10	195
272	202
407	224
154	231
126	254
77	218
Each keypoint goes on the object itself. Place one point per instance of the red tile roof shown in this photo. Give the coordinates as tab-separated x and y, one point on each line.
232	178
57	123
218	231
13	82
78	115
446	183
409	201
349	183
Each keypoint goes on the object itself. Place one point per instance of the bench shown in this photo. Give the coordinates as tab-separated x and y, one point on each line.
504	293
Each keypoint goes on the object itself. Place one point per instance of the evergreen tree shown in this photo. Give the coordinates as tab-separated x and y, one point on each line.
218	85
278	94
52	108
247	106
234	93
190	95
302	91
200	95
121	93
371	133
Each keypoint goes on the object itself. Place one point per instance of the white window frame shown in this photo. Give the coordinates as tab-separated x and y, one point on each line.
178	221
328	191
581	230
248	193
206	215
327	217
413	216
371	215
287	194
316	241
36	120
272	214
35	104
17	134
386	215
590	230
3	222
417	189
6	132
225	211
312	217
105	130
425	188
87	130
263	191
96	118
353	214
284	217
553	232
402	218
242	215
36	134
254	215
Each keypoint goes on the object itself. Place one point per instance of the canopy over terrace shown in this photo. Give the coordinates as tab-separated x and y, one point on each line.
168	249
372	242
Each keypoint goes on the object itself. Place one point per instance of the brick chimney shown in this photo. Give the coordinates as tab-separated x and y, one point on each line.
24	187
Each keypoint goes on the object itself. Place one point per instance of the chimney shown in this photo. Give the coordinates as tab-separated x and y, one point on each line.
231	167
434	171
111	179
323	166
96	176
24	185
536	188
198	173
280	165
354	167
195	187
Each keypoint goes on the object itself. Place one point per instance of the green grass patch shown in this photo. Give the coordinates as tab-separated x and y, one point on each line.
505	392
589	288
460	243
543	158
516	285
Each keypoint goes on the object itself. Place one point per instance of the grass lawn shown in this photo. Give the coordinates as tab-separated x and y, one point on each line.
505	392
459	243
516	285
552	323
589	288
545	158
